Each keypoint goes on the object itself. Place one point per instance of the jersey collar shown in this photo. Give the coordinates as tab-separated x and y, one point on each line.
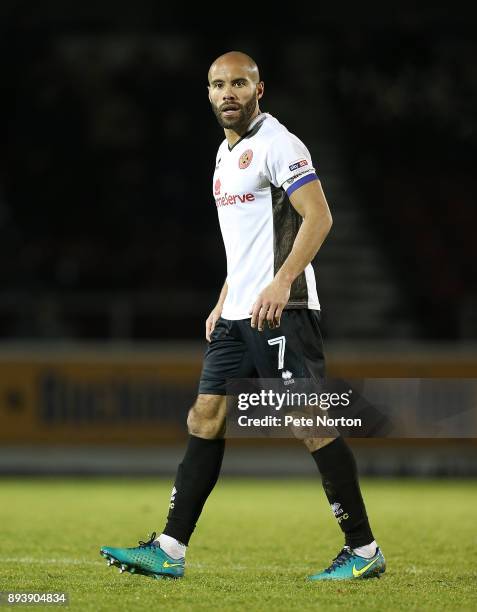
253	128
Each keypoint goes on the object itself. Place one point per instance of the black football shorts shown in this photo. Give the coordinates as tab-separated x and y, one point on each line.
295	349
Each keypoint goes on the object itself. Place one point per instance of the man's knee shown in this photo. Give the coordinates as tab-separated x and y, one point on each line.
314	444
206	418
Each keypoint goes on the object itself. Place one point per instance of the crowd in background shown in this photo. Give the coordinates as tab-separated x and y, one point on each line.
108	153
408	102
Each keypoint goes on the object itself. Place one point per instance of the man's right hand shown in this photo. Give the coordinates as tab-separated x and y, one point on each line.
212	320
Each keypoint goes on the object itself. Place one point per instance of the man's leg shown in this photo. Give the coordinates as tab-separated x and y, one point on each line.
196	477
301	353
198	472
226	357
339	477
361	557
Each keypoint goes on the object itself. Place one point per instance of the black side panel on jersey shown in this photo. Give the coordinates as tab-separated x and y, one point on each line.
286	223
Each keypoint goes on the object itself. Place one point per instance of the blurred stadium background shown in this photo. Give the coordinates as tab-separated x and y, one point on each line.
110	252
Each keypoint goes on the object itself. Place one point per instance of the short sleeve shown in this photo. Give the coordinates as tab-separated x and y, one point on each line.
288	163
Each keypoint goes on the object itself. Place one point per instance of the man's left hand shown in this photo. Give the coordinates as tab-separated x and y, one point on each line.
269	305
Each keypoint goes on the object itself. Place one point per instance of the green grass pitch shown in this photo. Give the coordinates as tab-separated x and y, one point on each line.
256	542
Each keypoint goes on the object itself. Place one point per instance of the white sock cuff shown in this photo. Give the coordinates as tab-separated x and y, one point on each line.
367	551
171	546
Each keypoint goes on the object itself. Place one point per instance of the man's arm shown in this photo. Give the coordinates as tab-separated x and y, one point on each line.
216	312
310	202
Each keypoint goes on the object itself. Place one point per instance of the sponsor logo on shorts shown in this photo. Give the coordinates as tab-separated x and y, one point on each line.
217	187
287	377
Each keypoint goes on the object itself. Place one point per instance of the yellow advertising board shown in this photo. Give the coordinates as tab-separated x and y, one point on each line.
132	396
67	401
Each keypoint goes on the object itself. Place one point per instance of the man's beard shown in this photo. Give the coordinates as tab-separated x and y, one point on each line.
240	122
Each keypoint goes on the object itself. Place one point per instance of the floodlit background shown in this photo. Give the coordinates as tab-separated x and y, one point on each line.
110	251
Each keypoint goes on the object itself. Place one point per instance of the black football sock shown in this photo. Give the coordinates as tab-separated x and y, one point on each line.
340	482
195	479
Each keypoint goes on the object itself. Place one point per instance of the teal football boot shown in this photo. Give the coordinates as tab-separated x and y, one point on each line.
148	559
348	566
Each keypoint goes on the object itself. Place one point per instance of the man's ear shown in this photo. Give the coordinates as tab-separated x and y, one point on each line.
208	93
260	89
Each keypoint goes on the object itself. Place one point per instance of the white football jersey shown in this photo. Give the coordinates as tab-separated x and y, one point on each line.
252	182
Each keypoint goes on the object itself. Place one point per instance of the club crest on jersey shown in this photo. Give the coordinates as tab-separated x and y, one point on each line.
245	159
217	187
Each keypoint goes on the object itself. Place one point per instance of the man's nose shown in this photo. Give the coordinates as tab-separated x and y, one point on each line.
228	93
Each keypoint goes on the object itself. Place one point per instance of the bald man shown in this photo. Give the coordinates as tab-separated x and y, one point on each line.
274	218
